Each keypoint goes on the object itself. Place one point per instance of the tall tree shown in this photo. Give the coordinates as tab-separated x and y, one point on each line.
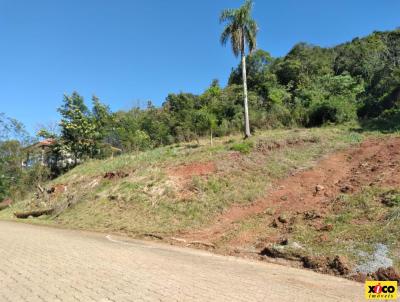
78	130
241	30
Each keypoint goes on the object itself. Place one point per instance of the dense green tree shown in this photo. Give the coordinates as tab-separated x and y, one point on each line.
328	99
257	65
10	166
361	58
16	178
79	133
155	122
181	108
103	119
302	64
204	121
74	100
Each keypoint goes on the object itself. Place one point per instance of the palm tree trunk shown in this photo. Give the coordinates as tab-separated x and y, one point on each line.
246	106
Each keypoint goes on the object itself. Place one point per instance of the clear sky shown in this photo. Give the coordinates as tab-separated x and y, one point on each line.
131	51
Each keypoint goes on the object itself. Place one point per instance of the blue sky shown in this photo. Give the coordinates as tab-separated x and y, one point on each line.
129	51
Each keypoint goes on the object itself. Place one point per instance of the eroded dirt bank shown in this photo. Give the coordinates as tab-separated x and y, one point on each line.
304	198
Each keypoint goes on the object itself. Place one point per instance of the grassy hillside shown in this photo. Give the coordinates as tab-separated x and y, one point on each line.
325	198
179	187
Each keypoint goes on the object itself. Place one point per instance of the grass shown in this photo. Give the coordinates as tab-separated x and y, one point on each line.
362	221
150	200
242	147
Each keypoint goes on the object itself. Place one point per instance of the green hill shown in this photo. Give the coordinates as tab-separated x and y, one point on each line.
179	187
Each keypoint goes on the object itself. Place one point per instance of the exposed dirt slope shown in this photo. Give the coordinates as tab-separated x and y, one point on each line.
374	162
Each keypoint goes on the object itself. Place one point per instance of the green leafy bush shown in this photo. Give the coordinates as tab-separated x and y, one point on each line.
243	147
388	121
334	111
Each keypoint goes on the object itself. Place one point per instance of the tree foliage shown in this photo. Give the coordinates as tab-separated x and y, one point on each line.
310	86
13	141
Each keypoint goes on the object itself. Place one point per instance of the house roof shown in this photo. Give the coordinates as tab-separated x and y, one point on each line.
44	143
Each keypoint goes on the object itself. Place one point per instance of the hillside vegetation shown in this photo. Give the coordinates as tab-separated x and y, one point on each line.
179	187
323	198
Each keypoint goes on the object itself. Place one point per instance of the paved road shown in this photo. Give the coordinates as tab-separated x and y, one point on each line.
45	264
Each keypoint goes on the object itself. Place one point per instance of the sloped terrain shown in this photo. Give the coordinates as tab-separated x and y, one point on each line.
375	163
181	187
347	207
326	199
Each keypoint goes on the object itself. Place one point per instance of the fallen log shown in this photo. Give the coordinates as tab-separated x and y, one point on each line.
36	213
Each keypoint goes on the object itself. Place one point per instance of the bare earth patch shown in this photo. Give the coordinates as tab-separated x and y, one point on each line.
186	172
374	162
180	177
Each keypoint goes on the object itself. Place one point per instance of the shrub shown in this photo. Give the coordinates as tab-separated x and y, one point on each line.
334	111
277	116
388	121
243	147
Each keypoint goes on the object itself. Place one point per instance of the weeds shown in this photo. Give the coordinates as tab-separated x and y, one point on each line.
362	222
244	147
150	200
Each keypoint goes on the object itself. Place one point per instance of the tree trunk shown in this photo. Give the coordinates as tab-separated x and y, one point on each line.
246	106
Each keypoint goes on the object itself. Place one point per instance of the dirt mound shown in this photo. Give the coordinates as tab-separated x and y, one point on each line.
57	189
193	169
337	265
386	274
265	146
309	193
382	274
181	176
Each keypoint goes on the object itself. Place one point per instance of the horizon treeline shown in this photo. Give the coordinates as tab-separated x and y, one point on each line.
310	86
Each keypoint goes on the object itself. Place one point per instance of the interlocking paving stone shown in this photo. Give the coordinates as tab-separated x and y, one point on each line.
48	264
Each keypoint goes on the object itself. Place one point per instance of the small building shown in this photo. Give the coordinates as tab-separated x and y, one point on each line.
38	153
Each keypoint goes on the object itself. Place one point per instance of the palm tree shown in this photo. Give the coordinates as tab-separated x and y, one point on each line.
241	29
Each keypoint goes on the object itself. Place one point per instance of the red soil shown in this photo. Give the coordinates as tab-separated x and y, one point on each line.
374	162
193	169
181	176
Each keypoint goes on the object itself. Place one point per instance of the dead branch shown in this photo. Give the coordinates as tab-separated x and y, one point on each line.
40	188
153	235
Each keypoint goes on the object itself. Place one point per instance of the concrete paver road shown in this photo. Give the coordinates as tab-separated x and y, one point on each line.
46	264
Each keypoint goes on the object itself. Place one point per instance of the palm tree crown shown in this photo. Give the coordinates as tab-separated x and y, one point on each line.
241	28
